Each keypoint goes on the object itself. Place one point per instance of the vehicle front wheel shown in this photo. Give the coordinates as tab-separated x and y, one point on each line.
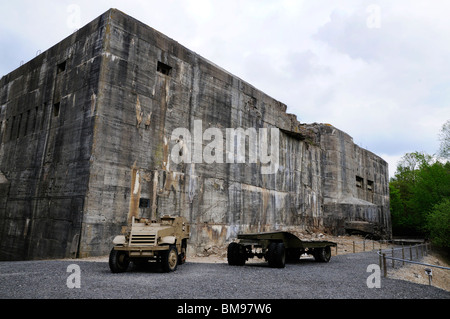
170	259
118	261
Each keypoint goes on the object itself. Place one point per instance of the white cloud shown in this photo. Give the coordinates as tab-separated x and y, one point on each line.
200	10
383	79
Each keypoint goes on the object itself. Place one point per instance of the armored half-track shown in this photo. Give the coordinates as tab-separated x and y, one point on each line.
144	240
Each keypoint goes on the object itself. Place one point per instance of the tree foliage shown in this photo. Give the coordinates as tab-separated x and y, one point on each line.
420	186
438	223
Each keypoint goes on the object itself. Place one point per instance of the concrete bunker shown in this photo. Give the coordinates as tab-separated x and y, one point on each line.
86	141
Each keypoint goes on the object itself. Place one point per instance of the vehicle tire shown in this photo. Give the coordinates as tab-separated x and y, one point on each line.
276	255
182	255
322	254
170	259
236	254
118	261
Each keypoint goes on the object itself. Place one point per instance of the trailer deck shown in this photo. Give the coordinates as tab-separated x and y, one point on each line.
277	248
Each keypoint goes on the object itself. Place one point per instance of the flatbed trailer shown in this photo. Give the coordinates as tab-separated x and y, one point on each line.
277	248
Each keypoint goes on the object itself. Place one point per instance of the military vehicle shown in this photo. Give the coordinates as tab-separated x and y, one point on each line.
276	248
164	241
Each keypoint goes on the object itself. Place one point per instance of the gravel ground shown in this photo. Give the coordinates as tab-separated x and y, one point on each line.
344	277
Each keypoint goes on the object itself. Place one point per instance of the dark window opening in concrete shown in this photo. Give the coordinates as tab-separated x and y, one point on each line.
359	182
370	186
61	67
56	108
144	203
164	68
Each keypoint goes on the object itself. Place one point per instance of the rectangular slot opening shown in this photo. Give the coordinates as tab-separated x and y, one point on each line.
144	203
61	67
56	108
359	182
163	68
370	186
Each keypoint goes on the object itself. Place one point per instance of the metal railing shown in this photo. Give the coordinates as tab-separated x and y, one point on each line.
397	253
367	245
409	254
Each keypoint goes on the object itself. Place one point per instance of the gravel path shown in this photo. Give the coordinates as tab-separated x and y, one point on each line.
344	277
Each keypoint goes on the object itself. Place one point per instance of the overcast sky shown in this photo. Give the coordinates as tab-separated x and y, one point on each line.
378	70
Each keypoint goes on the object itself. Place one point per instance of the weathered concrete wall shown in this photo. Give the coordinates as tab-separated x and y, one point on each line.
46	134
125	89
138	109
356	184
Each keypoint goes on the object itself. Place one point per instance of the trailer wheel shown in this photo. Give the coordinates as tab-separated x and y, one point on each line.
276	255
170	259
236	254
322	254
118	261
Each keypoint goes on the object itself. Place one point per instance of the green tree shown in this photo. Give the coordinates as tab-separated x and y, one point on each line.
438	223
396	206
420	193
405	216
432	185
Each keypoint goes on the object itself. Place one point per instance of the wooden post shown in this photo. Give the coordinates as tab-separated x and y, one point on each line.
384	265
410	252
364	245
353	246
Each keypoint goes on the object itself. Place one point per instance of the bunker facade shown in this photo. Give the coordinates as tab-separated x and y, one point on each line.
87	143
